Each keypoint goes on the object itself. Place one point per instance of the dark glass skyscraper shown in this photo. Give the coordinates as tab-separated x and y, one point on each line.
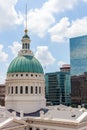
58	89
78	62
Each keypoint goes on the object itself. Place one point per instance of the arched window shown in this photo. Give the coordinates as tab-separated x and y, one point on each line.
23	45
26	45
36	90
16	89
21	89
12	89
31	89
39	90
26	89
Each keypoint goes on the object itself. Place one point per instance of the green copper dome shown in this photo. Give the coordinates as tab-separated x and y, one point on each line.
26	36
25	64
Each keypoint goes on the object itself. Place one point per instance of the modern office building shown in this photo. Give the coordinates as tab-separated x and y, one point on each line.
65	68
78	62
78	55
58	89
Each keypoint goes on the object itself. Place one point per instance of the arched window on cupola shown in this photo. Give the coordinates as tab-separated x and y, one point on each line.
28	46
25	45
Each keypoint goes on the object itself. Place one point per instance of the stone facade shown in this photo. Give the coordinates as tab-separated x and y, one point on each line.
24	90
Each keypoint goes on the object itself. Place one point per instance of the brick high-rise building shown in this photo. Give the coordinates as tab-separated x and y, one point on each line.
2	94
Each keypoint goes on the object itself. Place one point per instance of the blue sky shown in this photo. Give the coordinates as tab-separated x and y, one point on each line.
50	23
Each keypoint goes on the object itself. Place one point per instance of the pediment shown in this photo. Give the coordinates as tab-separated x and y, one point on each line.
12	123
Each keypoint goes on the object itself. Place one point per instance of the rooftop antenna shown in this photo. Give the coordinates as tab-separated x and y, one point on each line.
26	20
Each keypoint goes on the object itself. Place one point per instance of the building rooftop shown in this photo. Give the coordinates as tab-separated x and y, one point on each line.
58	113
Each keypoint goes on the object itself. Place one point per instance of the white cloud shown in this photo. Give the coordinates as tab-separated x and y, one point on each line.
58	31
56	6
15	48
3	55
8	14
84	0
40	20
78	27
66	29
44	55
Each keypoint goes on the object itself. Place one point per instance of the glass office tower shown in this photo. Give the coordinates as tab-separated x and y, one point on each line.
78	62
78	55
58	89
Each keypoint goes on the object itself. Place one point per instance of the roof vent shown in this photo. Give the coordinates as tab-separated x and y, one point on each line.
79	106
73	115
14	114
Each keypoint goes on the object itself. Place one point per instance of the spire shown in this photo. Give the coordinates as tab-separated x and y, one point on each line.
26	30
26	41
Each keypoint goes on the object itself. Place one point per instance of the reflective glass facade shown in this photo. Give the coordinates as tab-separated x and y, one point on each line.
78	55
58	90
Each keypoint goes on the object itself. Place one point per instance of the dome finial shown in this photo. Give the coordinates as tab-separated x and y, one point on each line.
26	30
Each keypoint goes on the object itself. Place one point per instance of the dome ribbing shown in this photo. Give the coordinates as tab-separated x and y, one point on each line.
25	64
